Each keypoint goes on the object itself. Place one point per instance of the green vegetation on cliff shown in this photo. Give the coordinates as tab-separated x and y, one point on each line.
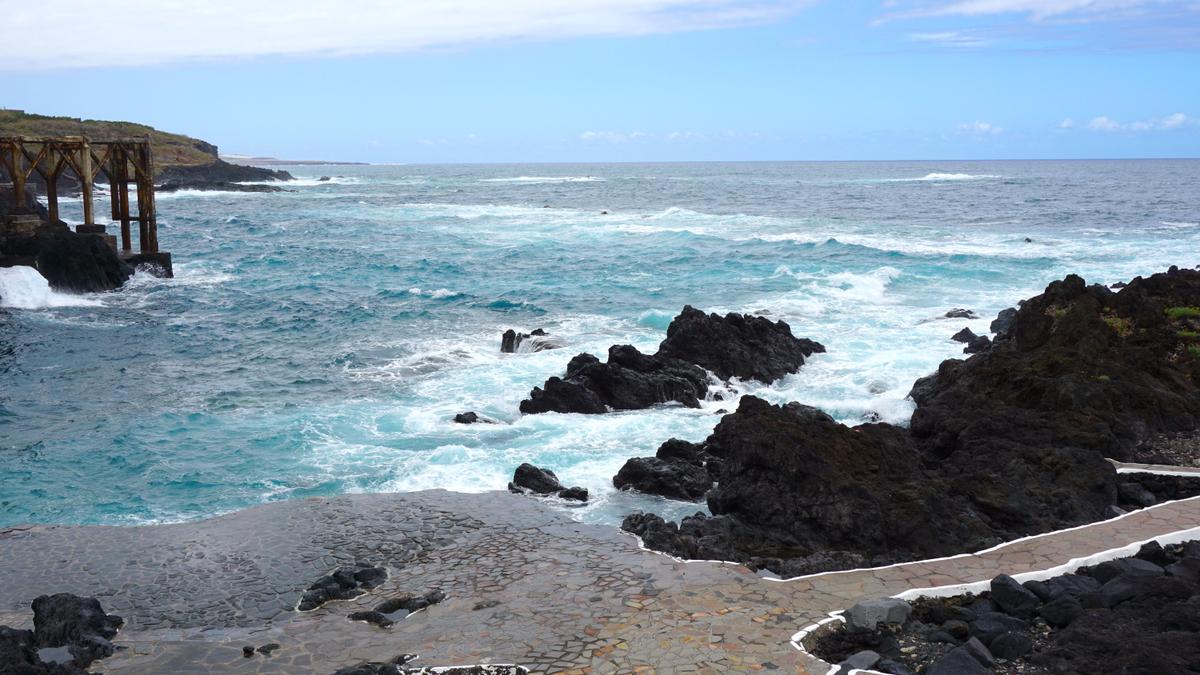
169	149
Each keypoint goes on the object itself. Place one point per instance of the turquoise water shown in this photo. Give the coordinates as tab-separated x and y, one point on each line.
319	341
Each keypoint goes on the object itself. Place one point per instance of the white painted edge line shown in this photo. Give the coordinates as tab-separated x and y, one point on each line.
1052	533
1159	472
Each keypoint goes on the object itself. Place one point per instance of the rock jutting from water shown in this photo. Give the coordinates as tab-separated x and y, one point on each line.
1009	442
70	262
529	479
736	345
536	340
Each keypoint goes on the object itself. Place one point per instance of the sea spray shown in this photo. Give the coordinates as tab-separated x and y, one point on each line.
23	287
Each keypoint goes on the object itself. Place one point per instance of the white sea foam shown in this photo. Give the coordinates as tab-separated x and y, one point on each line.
535	180
23	287
936	176
437	293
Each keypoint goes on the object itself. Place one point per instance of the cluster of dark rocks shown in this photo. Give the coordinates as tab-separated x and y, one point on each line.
394	609
344	583
735	345
69	633
529	479
219	175
1139	614
1010	442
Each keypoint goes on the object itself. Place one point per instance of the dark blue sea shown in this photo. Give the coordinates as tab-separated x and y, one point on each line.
319	341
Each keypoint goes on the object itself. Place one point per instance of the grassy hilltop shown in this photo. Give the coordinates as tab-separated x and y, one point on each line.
179	161
169	149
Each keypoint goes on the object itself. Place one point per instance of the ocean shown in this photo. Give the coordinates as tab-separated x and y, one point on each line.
320	341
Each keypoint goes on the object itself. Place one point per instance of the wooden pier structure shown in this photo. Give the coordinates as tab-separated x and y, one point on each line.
121	161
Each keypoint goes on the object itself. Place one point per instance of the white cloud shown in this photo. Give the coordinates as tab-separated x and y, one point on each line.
980	128
1103	123
614	136
1067	123
1168	123
1173	121
951	38
1036	9
70	33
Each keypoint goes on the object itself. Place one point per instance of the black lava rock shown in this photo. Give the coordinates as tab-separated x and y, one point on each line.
629	380
70	262
670	478
1013	598
344	583
529	478
736	345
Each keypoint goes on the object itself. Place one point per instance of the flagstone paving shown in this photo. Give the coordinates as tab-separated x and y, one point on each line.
524	584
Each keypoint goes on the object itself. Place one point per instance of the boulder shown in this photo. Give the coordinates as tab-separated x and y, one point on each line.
980	652
1003	320
1013	598
77	623
959	313
671	478
1011	646
863	660
574	494
870	613
536	340
468	418
629	380
957	661
1061	611
529	478
736	345
994	624
965	336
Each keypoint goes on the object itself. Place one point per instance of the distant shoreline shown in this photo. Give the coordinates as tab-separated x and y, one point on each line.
272	161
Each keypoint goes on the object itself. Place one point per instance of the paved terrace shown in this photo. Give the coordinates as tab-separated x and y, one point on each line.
524	585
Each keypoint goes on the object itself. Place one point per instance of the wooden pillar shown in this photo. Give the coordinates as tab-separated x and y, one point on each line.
142	217
85	168
18	174
121	198
152	215
56	164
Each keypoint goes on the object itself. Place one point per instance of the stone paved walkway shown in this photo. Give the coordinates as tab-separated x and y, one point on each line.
524	585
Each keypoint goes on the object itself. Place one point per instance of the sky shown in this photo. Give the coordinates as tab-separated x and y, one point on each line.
622	80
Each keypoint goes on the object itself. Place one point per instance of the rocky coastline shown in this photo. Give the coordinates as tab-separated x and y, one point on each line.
1013	441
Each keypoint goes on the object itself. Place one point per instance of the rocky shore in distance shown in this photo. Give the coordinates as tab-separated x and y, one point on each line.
219	175
1013	441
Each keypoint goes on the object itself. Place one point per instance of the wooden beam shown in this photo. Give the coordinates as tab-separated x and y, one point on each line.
86	175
